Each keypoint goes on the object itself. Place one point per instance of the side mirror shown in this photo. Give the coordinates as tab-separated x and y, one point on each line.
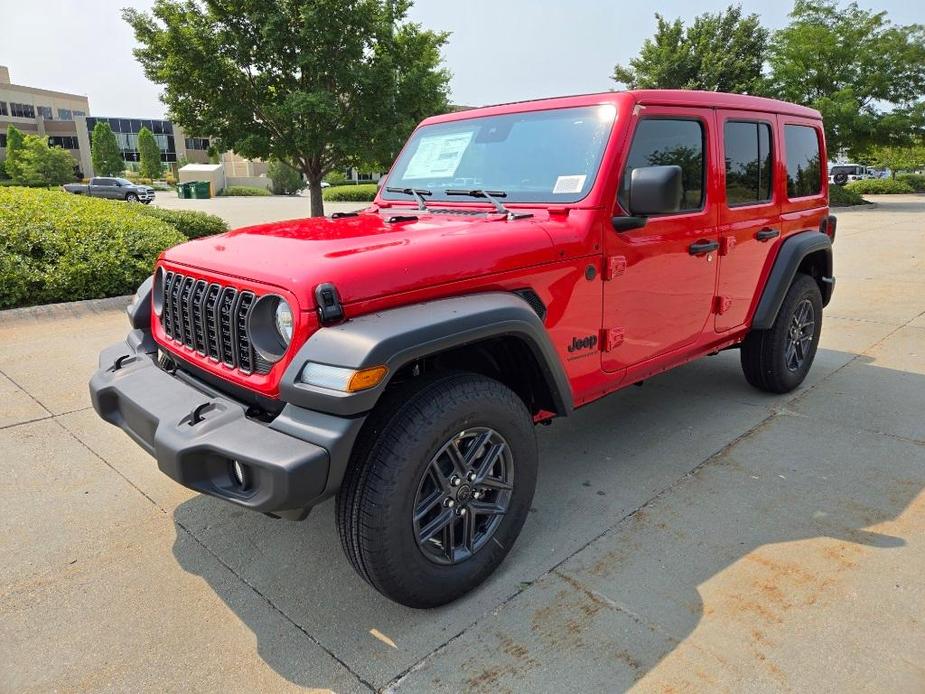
655	190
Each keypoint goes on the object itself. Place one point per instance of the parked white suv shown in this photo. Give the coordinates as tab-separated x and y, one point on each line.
840	174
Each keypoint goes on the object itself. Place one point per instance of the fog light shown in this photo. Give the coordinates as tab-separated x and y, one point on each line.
239	472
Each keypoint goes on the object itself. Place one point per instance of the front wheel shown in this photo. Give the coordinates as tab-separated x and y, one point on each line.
131	197
778	359
438	488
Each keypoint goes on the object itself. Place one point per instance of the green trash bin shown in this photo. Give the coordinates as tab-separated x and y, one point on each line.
201	190
185	190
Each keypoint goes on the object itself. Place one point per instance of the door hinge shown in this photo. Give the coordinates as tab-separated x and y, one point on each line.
616	266
611	338
722	304
726	244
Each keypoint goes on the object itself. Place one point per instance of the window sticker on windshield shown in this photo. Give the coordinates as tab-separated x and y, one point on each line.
569	184
438	156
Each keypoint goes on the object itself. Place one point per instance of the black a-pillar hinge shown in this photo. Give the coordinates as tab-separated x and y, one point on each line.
330	309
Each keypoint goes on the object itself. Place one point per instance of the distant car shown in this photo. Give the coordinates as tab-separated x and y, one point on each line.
840	174
113	188
325	184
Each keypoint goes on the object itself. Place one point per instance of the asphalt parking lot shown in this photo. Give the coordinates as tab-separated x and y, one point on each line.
240	211
691	534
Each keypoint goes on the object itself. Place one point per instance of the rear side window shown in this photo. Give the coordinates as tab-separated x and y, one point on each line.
666	142
804	168
747	146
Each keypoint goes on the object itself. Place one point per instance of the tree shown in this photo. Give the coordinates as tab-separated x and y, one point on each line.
898	158
14	144
286	180
719	52
850	63
323	84
150	155
104	151
41	165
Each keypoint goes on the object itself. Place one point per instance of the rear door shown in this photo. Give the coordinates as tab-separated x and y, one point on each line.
749	213
661	289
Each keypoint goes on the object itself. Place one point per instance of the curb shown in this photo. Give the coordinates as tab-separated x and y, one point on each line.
70	309
837	210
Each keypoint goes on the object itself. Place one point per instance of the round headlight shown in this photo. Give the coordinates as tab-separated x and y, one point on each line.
269	325
284	321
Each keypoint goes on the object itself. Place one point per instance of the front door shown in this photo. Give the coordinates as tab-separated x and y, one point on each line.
663	275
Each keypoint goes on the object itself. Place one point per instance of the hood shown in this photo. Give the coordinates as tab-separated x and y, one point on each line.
368	257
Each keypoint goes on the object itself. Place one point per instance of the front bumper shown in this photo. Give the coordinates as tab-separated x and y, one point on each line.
195	434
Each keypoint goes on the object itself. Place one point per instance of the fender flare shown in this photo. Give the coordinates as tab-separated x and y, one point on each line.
396	337
793	250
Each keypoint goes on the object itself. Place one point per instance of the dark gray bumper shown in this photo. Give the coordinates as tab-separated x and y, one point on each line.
195	434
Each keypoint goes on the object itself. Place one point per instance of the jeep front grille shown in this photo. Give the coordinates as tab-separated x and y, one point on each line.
211	319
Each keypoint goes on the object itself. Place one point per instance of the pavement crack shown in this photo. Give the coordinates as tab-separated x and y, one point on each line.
30	395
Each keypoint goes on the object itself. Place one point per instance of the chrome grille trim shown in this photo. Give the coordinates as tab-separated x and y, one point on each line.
211	319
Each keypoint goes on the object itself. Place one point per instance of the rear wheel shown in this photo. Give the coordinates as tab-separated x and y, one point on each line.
778	359
439	487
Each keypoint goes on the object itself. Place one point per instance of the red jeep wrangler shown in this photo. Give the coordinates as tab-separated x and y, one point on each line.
520	261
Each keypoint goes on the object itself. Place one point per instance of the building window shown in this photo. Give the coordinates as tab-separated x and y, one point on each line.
2	140
65	114
22	110
748	162
78	113
45	112
65	141
3	109
804	166
201	143
667	142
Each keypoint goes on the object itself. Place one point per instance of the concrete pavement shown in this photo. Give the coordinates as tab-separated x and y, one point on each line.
244	211
691	534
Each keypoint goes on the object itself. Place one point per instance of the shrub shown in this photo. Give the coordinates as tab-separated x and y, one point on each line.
286	180
839	196
191	224
336	178
60	247
914	181
365	192
245	191
876	186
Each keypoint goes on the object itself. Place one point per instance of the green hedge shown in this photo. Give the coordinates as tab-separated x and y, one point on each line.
874	186
245	191
914	181
191	224
365	192
839	196
60	247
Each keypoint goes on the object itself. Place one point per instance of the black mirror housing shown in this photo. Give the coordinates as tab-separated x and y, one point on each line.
655	190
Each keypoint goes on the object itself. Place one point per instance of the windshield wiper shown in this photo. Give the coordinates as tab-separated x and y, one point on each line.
418	194
492	196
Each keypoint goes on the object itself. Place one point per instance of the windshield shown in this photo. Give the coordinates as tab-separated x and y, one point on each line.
538	156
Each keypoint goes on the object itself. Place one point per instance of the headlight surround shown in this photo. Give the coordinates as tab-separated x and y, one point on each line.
270	326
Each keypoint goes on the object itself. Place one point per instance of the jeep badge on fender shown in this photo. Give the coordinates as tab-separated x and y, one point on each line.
518	259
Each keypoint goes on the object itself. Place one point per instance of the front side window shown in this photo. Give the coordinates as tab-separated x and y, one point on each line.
747	146
668	142
804	166
539	156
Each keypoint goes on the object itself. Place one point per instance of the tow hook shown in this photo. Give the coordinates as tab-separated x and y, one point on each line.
122	361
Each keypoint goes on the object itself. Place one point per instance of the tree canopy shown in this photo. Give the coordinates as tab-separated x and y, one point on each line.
31	162
104	151
149	155
722	52
852	65
14	144
321	84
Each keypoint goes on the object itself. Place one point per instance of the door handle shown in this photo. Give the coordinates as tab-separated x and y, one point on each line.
701	247
767	234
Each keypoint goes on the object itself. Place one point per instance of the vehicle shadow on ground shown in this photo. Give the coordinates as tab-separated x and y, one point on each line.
800	474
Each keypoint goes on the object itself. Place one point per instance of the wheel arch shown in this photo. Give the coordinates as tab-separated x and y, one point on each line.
809	252
496	334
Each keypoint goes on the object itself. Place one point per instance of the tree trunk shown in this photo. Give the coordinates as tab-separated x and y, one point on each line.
314	195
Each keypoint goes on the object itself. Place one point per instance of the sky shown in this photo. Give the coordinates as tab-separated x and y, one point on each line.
498	51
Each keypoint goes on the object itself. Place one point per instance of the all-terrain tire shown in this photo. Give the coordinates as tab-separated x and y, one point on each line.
376	502
767	360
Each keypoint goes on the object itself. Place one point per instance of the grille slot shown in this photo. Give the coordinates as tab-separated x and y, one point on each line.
211	319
